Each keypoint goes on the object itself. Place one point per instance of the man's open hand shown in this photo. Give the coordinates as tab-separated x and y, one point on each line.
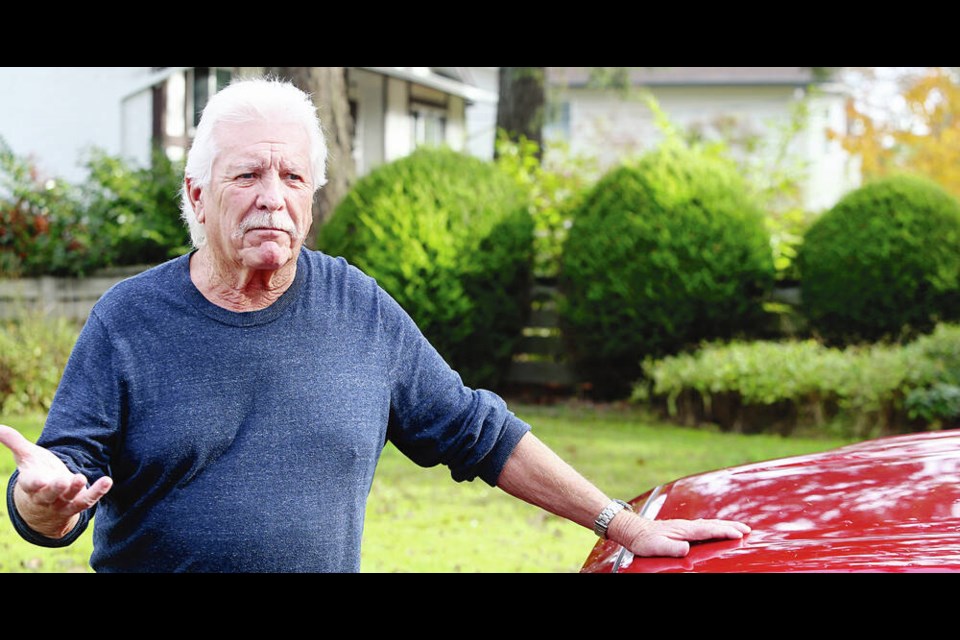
672	538
48	496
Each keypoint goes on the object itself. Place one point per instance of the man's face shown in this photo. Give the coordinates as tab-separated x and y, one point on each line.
257	208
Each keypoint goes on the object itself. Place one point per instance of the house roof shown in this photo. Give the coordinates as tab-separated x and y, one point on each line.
693	76
428	77
450	80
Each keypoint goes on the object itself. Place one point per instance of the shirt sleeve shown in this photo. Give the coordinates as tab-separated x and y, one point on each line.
82	422
434	417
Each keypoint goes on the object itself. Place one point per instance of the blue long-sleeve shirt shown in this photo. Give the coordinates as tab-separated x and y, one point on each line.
248	441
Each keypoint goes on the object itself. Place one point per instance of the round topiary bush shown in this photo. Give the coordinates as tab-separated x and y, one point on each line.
665	252
884	262
449	236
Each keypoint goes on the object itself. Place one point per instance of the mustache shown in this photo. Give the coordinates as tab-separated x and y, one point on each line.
262	220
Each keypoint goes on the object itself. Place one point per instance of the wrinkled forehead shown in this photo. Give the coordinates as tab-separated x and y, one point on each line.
261	140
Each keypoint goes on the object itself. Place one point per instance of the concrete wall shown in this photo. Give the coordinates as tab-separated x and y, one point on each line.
65	297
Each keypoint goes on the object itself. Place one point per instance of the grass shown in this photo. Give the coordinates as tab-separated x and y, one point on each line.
419	520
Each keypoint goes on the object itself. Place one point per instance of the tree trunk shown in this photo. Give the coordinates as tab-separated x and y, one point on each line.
521	106
328	86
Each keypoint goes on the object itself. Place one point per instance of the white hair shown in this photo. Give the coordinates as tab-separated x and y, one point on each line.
245	101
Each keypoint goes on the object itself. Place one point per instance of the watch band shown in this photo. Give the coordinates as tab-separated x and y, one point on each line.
603	520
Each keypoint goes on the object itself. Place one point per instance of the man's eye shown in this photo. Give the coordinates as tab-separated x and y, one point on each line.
246	176
295	176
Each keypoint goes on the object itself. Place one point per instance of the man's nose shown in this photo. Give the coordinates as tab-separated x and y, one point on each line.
270	196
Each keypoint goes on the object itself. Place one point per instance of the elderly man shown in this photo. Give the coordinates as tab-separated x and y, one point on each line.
225	411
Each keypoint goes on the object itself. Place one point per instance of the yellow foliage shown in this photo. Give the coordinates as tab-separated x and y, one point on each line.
927	143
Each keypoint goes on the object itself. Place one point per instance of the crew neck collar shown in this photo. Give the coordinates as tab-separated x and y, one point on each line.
240	318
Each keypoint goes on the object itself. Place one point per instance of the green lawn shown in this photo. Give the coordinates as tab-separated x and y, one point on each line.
419	520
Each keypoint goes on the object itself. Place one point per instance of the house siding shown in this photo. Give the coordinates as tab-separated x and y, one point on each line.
608	126
55	114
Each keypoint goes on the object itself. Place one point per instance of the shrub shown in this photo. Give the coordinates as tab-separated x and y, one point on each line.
662	253
33	352
134	212
120	215
553	187
761	372
450	238
40	222
935	358
872	389
934	374
938	404
884	262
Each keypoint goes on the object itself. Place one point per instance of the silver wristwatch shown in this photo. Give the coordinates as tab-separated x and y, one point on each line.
603	520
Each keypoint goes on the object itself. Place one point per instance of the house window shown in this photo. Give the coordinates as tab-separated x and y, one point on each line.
205	82
429	125
178	104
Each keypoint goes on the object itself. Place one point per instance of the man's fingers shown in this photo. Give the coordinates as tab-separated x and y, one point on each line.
97	490
89	497
726	524
55	489
77	484
715	530
14	440
670	548
75	495
68	495
726	528
672	538
51	490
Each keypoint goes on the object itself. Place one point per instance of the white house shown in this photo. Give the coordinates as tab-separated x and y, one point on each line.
55	113
608	123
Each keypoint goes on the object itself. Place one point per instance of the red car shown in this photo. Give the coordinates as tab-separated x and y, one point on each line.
890	504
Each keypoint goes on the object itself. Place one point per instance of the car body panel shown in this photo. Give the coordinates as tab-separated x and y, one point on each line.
890	504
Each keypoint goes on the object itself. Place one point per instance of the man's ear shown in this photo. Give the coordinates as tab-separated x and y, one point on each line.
194	191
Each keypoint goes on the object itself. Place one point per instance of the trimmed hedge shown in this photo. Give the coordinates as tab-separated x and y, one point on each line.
883	263
662	254
776	386
449	236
